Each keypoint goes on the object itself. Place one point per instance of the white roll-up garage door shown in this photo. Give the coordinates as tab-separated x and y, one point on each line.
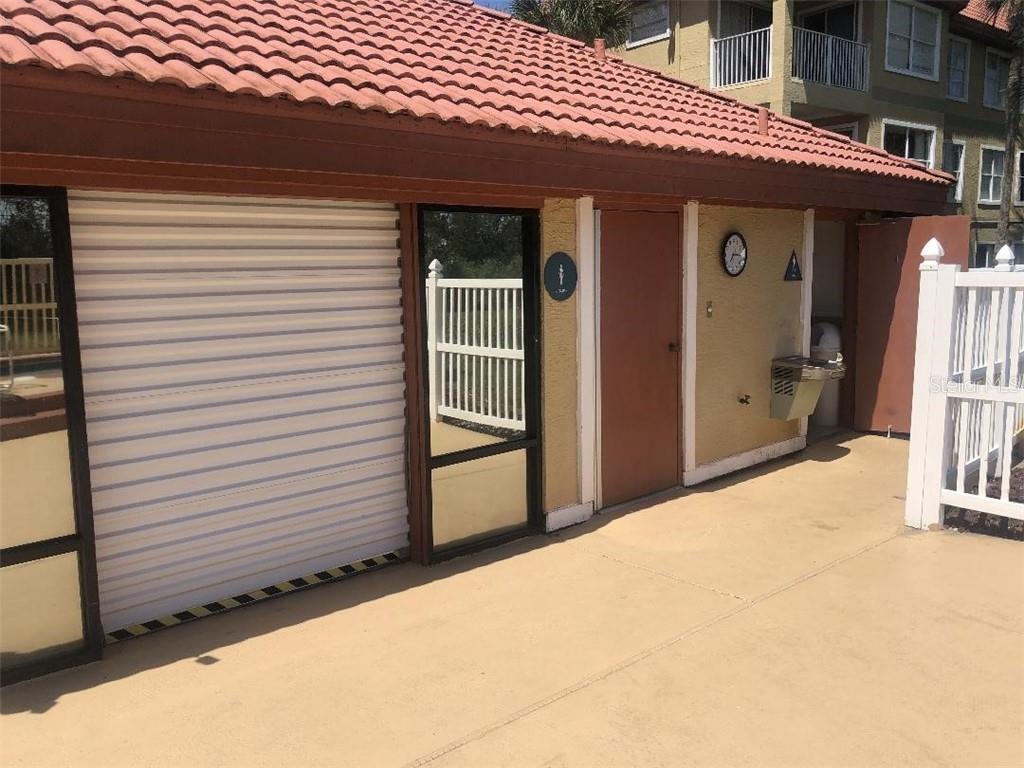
242	363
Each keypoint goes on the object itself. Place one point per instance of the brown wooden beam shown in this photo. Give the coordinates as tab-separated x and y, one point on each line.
421	539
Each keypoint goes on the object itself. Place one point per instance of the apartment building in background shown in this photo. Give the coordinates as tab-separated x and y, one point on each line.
923	80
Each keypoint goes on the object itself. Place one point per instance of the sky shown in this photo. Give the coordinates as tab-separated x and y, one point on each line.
501	5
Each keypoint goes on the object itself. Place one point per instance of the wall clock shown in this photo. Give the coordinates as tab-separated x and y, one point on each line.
734	254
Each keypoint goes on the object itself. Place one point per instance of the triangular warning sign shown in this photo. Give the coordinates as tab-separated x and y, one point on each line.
793	269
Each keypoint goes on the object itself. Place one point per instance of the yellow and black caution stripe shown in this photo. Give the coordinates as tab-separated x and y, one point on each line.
248	598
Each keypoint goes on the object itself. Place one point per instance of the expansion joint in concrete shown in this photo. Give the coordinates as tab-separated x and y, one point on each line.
631	661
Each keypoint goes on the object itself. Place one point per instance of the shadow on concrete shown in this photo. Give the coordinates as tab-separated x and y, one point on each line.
825	450
200	640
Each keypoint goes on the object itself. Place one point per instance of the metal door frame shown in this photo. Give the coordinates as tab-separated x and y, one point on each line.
83	540
531	350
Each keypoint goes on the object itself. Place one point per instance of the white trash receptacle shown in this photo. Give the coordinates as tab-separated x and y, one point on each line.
826	344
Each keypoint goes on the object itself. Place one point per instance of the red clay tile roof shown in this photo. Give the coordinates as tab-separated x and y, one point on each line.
977	10
446	60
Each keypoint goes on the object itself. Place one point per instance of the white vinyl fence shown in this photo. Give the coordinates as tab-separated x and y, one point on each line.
968	406
28	306
742	58
475	351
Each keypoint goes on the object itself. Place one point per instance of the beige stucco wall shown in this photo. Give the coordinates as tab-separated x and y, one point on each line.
973	140
874	19
907	114
693	41
686	53
559	365
894	96
657	54
755	317
976	126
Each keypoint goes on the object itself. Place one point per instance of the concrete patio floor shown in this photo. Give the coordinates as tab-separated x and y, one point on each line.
780	617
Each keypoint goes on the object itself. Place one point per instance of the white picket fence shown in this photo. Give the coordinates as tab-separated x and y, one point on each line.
968	406
28	306
475	350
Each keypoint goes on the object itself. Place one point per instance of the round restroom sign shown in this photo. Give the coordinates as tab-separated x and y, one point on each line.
560	276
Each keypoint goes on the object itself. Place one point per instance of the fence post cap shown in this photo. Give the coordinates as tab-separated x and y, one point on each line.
1004	259
436	268
931	255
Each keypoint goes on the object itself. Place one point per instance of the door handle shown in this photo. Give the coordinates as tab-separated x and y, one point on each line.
673	346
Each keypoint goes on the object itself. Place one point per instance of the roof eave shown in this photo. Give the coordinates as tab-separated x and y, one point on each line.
100	104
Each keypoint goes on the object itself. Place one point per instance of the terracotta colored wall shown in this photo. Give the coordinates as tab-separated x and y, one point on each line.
756	317
559	384
886	324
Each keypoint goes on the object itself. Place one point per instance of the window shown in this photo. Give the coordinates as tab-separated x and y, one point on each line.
839	20
959	68
997	73
845	129
649	22
992	169
736	18
953	162
912	39
984	256
45	540
913	142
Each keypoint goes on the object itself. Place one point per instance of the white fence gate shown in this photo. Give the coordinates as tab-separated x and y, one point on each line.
475	351
968	406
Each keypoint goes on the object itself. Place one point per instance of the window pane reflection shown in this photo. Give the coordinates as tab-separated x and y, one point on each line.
475	341
480	498
35	496
41	611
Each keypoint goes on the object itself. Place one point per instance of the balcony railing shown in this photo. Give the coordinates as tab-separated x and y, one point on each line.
743	58
831	60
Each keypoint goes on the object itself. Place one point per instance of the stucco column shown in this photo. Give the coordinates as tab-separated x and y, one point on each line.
559	383
782	53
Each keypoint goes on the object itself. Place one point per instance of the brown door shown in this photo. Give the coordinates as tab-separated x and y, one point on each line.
885	328
640	353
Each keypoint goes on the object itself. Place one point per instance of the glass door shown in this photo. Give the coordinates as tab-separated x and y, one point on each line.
49	614
480	367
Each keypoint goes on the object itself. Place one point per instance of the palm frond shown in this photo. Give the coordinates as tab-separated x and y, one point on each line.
583	20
